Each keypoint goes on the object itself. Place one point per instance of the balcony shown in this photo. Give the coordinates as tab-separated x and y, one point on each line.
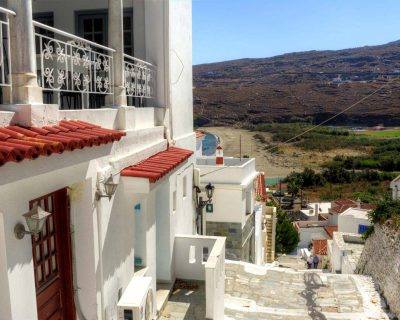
200	270
71	72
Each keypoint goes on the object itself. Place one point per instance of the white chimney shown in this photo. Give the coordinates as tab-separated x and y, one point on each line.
316	211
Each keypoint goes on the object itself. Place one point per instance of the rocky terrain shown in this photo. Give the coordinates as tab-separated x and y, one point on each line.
302	86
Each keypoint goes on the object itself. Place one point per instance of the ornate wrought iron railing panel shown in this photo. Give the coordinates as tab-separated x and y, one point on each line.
67	63
5	58
140	78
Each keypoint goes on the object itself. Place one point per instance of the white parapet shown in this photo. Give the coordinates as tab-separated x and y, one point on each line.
202	258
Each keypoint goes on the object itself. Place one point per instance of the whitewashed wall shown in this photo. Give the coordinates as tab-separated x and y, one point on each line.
309	234
349	224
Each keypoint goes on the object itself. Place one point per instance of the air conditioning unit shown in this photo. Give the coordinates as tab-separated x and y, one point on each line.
136	302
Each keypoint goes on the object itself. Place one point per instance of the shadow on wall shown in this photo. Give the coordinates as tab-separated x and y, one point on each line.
119	236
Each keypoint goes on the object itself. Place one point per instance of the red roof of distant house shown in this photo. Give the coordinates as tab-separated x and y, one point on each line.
157	166
320	247
260	189
341	205
200	134
330	230
18	143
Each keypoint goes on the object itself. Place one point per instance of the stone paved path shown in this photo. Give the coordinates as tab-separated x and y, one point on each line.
273	293
253	292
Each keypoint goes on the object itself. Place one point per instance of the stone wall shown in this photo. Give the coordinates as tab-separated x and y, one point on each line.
238	240
381	260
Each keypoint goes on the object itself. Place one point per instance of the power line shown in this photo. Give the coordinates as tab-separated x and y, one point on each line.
336	115
323	122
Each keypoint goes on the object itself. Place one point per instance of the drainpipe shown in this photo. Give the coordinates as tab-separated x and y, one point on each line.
78	306
77	302
99	244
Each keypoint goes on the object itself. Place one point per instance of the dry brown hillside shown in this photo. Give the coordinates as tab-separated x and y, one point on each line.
307	85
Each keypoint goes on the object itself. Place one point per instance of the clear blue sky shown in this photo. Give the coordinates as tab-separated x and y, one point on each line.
234	29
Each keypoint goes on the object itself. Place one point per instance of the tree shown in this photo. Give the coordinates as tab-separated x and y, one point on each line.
293	187
287	237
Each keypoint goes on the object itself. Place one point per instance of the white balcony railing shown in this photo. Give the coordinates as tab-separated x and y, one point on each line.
5	60
68	63
140	78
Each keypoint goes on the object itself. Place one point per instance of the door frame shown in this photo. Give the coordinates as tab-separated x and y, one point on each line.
63	222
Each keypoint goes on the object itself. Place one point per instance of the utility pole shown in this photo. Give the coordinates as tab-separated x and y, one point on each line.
240	147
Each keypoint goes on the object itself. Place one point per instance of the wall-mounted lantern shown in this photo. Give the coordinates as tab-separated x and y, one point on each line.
200	204
109	187
35	220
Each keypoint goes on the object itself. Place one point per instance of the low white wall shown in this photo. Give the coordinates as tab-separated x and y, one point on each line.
309	234
188	258
259	244
215	281
188	265
239	173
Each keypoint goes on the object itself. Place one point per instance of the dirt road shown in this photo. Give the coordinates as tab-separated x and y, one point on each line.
288	160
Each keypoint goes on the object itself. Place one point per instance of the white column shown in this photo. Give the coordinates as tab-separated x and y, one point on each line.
116	41
25	89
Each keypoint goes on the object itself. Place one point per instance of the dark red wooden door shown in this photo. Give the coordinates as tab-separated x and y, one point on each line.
52	259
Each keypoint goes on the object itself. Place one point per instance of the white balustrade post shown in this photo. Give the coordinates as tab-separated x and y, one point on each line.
116	41
25	89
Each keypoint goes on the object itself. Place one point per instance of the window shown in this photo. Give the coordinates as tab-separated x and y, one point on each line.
249	201
93	26
192	254
184	186
174	201
128	32
205	254
362	228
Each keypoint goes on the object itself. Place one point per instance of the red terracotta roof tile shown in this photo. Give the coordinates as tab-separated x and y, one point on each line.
341	205
260	189
330	230
320	247
157	166
18	143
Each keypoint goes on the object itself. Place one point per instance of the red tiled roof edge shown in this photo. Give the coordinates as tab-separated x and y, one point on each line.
260	189
330	230
320	247
159	165
18	143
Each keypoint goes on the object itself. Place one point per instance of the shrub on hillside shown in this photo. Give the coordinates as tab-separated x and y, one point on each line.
385	210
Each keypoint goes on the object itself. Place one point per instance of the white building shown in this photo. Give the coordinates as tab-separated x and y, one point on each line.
70	130
234	214
344	251
395	186
354	220
314	209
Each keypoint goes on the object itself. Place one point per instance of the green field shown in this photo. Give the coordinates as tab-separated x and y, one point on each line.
383	134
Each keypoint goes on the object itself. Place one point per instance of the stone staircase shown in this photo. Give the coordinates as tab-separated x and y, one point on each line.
269	247
270	292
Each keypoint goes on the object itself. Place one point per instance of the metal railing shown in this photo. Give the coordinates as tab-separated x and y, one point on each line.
70	64
5	59
140	78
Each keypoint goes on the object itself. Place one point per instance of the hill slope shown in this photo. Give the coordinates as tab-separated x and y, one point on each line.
309	85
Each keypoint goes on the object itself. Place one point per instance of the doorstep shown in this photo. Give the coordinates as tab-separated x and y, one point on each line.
162	294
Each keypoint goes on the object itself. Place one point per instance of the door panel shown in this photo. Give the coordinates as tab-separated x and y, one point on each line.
51	251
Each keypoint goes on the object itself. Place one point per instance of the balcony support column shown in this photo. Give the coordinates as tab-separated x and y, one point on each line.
116	41
25	89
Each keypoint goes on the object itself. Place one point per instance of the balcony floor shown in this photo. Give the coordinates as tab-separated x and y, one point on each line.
187	301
